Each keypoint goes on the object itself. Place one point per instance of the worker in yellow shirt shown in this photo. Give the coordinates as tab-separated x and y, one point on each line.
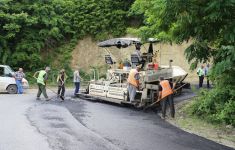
200	73
42	77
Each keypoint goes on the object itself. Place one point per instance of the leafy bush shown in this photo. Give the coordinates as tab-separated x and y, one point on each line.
216	105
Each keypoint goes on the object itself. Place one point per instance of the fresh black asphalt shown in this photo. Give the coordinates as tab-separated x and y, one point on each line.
131	129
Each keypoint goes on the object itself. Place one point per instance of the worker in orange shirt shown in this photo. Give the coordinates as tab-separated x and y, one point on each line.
133	82
166	96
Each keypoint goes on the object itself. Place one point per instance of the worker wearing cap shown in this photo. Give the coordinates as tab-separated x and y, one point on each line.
166	96
133	82
42	77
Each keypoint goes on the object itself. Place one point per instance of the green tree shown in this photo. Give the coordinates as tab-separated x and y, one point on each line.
210	24
33	32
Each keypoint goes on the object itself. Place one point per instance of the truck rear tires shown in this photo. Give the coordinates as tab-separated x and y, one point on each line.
12	89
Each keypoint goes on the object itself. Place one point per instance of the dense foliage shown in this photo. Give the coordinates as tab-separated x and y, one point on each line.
210	25
34	33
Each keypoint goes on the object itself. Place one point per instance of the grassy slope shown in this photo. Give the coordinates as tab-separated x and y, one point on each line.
216	132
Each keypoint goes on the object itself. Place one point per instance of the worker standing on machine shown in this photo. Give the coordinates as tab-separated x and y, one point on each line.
133	83
139	54
166	96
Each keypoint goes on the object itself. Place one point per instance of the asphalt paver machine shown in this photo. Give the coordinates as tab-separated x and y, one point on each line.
114	87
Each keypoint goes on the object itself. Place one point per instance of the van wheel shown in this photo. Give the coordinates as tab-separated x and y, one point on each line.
12	89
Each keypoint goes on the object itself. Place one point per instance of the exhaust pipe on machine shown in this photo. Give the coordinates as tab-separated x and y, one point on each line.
170	63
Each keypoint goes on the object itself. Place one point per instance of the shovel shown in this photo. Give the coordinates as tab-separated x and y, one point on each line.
61	97
161	98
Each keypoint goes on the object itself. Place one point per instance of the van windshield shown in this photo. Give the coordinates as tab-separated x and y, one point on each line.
1	71
10	70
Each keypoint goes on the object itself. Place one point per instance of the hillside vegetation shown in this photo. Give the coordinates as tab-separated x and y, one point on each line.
34	32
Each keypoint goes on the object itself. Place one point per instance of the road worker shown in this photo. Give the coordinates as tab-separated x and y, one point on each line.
42	77
166	96
206	73
200	73
76	80
61	78
133	82
139	54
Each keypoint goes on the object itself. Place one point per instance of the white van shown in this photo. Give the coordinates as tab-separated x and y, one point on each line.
7	81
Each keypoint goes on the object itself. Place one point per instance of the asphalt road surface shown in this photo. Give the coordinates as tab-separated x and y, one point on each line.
77	124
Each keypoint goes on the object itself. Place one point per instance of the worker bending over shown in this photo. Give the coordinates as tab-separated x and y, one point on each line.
166	96
133	82
42	77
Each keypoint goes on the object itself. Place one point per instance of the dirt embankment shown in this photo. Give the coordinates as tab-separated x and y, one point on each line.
87	54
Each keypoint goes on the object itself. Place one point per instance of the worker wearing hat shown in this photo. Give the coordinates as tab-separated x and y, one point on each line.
42	77
133	82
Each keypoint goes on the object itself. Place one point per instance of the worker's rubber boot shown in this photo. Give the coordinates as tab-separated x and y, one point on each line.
163	117
62	98
47	99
